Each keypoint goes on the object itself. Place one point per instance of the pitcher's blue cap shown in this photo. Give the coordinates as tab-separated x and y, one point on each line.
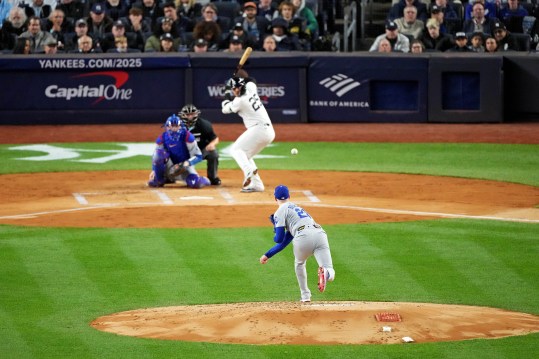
281	192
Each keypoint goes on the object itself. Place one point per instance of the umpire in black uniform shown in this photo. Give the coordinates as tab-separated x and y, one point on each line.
206	138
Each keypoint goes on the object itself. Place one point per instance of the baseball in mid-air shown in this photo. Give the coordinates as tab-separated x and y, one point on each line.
294	151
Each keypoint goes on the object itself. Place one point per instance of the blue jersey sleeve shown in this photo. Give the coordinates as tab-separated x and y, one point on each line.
287	238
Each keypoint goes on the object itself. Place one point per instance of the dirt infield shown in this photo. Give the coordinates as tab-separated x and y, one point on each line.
120	199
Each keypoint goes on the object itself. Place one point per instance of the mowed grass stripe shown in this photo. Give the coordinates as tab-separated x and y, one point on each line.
44	310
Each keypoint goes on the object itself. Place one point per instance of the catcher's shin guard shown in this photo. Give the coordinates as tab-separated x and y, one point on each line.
194	181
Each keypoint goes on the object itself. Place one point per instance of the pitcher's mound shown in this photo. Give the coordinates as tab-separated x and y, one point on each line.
321	323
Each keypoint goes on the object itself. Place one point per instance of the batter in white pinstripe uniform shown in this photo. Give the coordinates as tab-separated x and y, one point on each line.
293	224
243	99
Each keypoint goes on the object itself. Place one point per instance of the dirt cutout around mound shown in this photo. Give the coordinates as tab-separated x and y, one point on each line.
320	323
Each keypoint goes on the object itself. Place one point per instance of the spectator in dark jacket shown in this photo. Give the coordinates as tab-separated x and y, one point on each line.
397	10
73	9
433	39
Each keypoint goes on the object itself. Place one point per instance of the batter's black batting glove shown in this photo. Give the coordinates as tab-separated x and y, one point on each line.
229	95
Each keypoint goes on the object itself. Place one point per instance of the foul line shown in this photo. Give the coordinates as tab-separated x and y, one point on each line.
35	214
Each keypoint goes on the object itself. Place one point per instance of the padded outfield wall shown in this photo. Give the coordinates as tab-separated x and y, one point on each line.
296	87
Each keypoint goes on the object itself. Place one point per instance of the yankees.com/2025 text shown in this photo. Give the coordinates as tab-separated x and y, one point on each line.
115	63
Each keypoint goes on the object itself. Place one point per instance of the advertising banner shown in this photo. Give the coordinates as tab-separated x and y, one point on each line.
367	89
74	88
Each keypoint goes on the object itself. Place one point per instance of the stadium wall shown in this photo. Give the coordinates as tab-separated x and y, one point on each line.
296	87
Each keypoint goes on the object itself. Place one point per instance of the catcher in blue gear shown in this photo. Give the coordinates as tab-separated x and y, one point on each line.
175	156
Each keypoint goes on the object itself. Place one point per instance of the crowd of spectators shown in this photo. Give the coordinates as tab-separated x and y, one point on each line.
461	26
122	26
265	25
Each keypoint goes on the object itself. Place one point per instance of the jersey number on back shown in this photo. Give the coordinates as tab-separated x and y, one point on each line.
301	212
255	102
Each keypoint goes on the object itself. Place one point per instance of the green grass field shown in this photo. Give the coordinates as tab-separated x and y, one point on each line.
55	281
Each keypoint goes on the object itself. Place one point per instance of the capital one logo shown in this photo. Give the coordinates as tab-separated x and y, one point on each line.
109	92
339	84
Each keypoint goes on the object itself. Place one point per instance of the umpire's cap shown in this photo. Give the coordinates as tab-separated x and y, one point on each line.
281	192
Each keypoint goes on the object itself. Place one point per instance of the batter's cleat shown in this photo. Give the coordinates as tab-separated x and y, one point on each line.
215	181
322	279
249	178
155	184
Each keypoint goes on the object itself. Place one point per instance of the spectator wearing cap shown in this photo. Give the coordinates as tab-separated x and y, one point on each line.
51	48
116	9
479	22
461	43
489	9
296	24
399	42
153	43
200	45
444	7
397	10
255	26
191	10
151	11
37	8
138	25
58	27
285	41
434	39
85	45
118	30
73	9
71	39
99	23
36	36
235	44
437	14
246	40
166	43
409	24
209	31
266	9
506	41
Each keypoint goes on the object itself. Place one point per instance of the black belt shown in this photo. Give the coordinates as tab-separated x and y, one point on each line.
308	226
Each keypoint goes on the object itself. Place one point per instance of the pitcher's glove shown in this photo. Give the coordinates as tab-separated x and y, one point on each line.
272	219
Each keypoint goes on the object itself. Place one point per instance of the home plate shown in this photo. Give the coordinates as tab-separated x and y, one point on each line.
195	198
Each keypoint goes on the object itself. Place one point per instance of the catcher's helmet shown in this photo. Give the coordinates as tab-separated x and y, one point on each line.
173	120
186	113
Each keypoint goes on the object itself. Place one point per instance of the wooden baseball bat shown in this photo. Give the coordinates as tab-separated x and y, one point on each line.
244	58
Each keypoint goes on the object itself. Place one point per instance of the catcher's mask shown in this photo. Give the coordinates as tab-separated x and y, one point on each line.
173	120
189	114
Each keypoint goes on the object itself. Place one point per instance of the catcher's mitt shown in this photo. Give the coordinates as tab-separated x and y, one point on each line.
176	170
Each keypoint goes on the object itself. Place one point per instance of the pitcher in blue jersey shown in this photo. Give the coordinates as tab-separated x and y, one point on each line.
175	156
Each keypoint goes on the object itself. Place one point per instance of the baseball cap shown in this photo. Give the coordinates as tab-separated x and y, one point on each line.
249	4
281	192
460	35
279	22
166	36
238	25
435	9
499	26
51	42
235	39
98	8
166	19
118	23
81	22
391	25
201	43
